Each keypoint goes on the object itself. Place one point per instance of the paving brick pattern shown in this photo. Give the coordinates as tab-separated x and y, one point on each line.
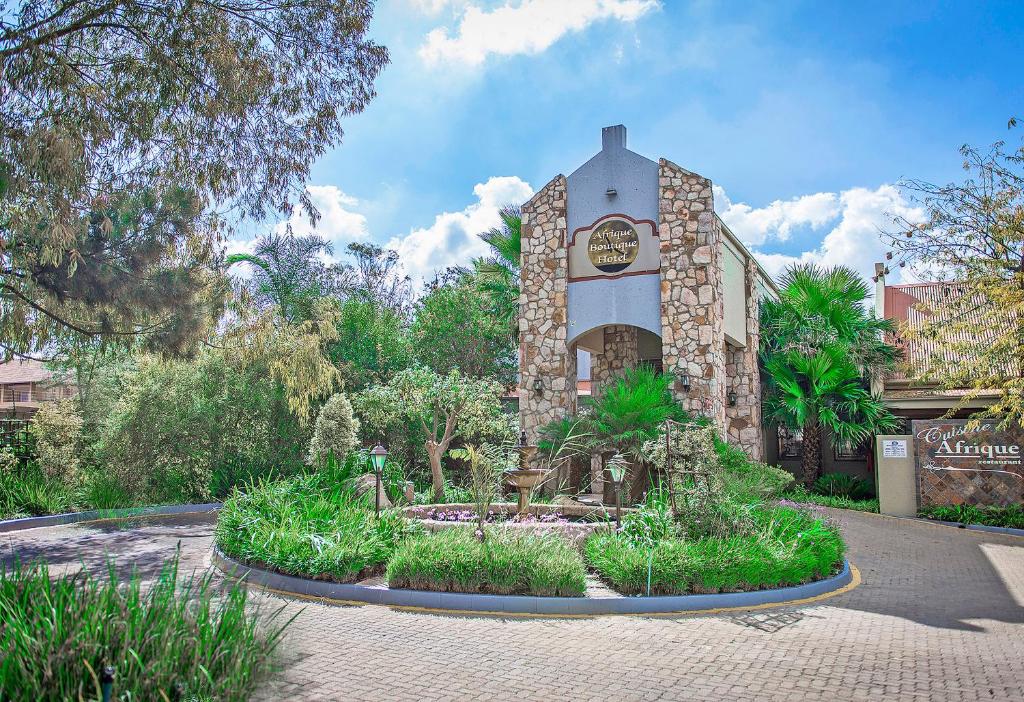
938	617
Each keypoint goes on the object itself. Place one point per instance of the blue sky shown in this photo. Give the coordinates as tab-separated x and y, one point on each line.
804	114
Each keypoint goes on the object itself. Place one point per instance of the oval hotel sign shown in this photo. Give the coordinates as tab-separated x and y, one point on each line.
614	246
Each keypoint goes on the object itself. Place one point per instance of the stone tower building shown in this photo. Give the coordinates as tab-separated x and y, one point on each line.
626	258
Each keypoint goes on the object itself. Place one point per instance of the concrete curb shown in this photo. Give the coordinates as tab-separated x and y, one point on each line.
525	605
974	527
99	514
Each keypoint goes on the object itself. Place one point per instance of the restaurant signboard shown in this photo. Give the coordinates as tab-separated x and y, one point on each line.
962	462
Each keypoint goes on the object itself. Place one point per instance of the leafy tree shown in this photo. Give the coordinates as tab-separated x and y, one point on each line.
972	236
288	272
295	356
819	349
336	431
376	277
497	275
125	126
454	329
373	343
444	406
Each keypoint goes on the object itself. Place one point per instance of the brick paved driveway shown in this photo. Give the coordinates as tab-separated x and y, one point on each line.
939	616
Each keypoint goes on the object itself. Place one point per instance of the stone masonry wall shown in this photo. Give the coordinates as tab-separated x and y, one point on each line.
620	352
543	323
693	342
744	378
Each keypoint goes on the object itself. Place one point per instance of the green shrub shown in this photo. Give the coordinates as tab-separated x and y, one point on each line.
843	485
57	429
1011	517
506	563
105	491
58	634
748	480
785	547
27	493
177	422
308	526
336	430
800	495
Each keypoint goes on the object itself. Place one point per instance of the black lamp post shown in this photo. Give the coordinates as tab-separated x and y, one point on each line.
618	474
377	457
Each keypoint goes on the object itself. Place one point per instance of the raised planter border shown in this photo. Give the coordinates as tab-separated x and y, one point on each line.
974	527
288	585
95	515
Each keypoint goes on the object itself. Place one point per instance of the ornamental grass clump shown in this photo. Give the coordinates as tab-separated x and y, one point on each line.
168	640
782	547
307	528
506	563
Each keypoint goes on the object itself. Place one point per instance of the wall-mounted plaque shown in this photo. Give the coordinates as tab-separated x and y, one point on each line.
616	245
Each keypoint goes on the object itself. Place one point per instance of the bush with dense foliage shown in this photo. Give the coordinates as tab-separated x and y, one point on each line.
506	563
178	423
782	547
843	485
336	430
1011	517
311	526
172	639
748	480
57	429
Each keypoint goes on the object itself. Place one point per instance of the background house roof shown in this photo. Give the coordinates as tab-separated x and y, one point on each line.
23	371
912	306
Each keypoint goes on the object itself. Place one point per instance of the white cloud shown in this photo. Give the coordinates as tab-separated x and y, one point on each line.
529	27
856	239
452	239
432	7
776	221
338	223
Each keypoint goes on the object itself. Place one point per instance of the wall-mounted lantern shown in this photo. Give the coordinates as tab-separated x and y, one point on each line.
538	386
683	383
732	398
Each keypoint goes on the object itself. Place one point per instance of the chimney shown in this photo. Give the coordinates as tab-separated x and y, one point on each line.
613	138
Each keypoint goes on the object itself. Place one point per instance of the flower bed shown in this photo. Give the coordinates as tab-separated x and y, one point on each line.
784	547
508	562
304	527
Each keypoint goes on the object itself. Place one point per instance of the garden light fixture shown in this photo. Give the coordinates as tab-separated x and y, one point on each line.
618	474
538	386
377	458
732	398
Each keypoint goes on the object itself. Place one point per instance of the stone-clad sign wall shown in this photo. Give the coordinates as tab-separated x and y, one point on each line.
676	293
691	290
547	375
957	464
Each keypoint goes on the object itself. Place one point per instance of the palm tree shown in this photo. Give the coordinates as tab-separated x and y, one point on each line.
628	413
497	275
819	349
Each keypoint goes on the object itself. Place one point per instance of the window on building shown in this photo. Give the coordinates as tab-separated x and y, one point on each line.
845	451
791	443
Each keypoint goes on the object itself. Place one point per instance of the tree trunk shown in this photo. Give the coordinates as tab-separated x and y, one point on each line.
434	452
810	461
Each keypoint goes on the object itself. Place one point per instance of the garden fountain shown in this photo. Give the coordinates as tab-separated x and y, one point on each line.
524	479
